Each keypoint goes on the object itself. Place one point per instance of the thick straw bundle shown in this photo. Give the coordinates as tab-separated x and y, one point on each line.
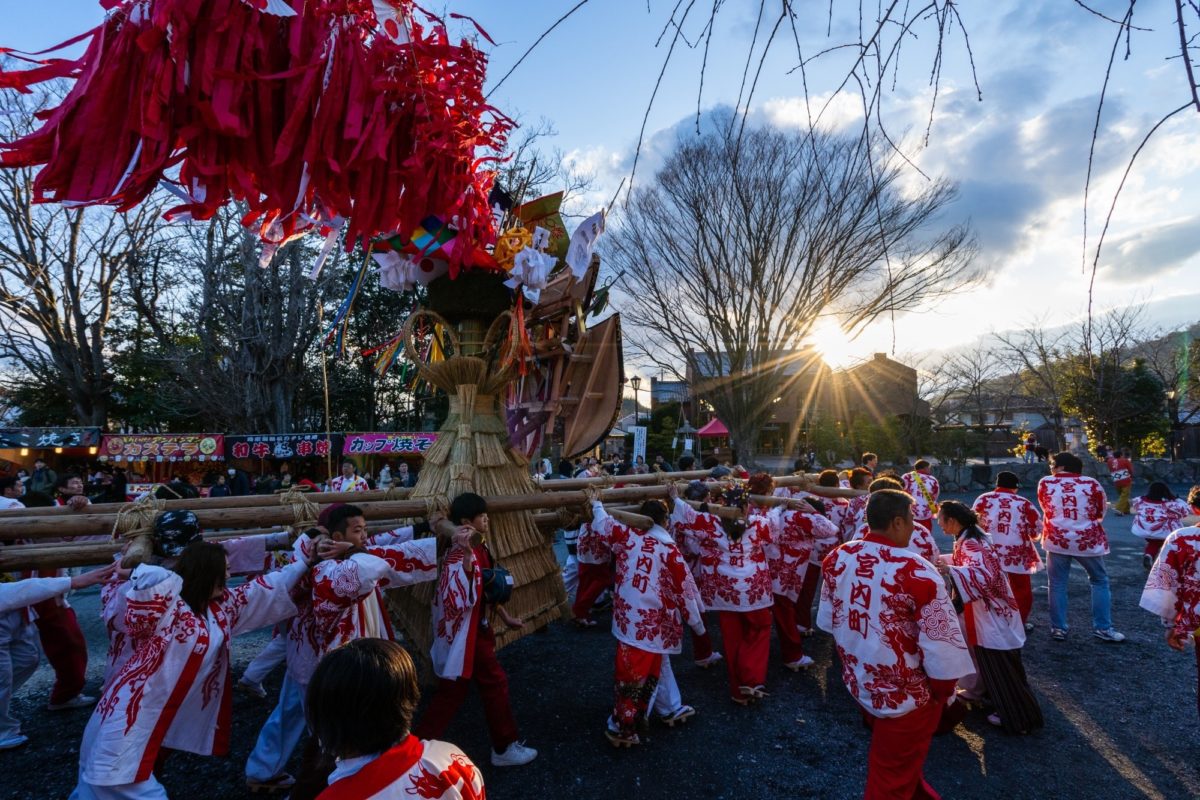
472	455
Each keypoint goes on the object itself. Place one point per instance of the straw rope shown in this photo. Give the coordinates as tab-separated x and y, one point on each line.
137	518
304	510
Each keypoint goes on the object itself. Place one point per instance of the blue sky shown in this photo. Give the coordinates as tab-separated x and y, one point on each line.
1019	156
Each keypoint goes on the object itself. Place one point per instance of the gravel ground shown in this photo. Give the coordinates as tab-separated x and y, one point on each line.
1121	722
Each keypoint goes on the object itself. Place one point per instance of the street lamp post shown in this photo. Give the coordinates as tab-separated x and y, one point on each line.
636	383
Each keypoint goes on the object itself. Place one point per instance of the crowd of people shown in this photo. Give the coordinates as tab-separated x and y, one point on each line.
923	637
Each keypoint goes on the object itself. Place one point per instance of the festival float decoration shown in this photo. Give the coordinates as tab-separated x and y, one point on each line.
361	122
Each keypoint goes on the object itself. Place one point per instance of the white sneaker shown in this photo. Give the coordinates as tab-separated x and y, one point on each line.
78	701
251	688
796	666
516	755
13	742
1109	635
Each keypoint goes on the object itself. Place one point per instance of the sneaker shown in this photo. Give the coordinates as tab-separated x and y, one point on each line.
1058	634
705	663
251	688
78	701
803	663
514	756
280	783
1109	635
13	742
1147	561
680	715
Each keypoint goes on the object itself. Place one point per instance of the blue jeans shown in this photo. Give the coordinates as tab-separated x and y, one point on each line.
1058	568
279	735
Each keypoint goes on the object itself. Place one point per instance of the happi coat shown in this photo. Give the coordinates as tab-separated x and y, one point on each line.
1156	519
173	691
19	594
924	490
732	576
1013	523
458	610
893	623
1073	509
799	538
355	483
1173	586
922	542
412	770
991	617
654	593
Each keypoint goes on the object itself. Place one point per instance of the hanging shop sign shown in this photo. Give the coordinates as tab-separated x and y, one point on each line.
163	447
48	438
362	444
283	445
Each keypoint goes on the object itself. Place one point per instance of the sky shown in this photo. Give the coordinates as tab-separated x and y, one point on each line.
1019	156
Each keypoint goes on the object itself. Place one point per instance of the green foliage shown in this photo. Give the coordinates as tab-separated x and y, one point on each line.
1152	445
1117	403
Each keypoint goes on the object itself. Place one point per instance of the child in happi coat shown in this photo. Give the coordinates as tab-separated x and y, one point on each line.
1173	587
1014	524
595	575
837	509
18	645
654	596
464	646
899	641
856	515
737	584
343	602
703	653
991	621
1155	516
173	691
360	706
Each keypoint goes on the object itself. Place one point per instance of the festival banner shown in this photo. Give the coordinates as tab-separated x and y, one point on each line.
362	444
48	438
283	445
162	447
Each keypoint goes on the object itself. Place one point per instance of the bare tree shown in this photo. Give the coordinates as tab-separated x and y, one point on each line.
60	269
742	243
978	390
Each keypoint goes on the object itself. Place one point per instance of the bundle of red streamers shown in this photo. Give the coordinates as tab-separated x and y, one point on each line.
317	114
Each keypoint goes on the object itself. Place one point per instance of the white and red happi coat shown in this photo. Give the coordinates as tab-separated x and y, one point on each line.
347	598
923	508
246	555
1073	509
23	593
991	618
355	483
457	613
799	538
922	542
1013	523
591	547
1173	585
893	623
654	594
415	768
174	690
855	518
732	576
1155	520
838	511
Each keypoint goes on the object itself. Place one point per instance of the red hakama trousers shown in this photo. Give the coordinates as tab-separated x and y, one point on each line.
747	638
1022	590
808	590
449	695
702	646
635	677
593	580
897	756
1153	546
791	643
64	646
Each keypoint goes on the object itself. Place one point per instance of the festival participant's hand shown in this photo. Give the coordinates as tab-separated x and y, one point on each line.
462	537
328	549
77	503
672	491
1176	640
513	623
94	576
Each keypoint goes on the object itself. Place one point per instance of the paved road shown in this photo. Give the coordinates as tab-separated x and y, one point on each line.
1121	722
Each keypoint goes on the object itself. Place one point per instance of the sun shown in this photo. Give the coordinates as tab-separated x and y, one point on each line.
836	348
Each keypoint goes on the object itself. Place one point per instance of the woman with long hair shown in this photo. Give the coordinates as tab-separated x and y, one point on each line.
990	619
173	692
